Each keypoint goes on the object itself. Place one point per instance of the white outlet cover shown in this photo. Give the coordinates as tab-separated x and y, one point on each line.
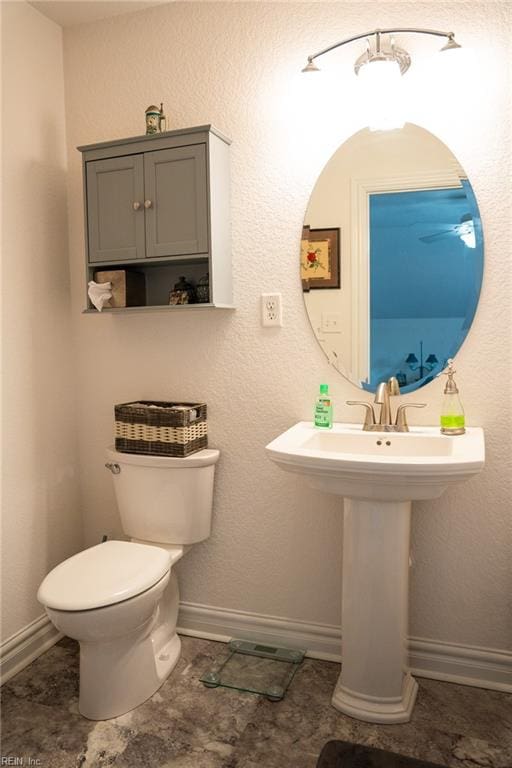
271	309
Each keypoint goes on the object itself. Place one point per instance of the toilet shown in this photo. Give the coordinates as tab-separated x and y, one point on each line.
120	599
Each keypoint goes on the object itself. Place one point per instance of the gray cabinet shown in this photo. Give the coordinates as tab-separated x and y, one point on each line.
160	204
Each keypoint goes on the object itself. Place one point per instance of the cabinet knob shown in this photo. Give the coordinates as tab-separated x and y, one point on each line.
148	203
136	206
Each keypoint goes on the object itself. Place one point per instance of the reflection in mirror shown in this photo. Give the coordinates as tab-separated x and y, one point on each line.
391	257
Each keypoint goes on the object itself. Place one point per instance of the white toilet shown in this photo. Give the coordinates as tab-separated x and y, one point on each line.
119	599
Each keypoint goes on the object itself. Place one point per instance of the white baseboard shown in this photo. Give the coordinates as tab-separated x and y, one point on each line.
18	651
321	640
466	665
451	662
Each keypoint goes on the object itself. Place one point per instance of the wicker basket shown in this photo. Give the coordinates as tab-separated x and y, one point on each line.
160	428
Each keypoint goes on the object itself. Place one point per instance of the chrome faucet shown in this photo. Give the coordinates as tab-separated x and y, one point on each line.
385	390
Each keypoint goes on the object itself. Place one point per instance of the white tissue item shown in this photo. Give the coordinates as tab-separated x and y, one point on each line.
99	293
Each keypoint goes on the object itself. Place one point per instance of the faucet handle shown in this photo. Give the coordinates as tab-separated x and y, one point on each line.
369	420
401	418
393	386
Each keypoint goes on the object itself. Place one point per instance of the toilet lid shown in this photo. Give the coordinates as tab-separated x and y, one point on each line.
103	575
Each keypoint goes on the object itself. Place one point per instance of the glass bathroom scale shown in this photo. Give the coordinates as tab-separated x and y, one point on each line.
256	668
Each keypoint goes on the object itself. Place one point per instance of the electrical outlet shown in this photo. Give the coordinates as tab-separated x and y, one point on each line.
271	309
331	322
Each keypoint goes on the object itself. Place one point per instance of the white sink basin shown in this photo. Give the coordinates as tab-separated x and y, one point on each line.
402	466
379	474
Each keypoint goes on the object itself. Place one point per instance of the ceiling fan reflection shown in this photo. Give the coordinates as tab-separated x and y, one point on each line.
465	229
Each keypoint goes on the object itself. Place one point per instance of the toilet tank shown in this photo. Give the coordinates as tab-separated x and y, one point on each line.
164	499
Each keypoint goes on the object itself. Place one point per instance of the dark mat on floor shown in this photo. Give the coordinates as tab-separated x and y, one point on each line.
341	754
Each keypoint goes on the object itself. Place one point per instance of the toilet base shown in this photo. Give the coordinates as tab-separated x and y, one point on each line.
118	676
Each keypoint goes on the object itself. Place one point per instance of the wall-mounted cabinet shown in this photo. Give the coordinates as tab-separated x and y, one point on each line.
159	205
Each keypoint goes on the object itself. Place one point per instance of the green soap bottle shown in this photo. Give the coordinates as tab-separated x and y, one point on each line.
452	413
323	408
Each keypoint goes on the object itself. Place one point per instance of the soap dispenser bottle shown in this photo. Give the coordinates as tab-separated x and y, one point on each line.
452	412
323	408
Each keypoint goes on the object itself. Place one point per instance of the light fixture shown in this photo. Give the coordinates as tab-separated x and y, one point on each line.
380	68
383	50
389	54
424	366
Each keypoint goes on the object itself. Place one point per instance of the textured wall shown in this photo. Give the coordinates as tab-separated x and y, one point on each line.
276	544
40	521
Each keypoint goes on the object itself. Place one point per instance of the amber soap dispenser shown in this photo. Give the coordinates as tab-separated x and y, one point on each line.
452	412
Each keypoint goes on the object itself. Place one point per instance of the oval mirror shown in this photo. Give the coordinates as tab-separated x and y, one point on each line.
391	257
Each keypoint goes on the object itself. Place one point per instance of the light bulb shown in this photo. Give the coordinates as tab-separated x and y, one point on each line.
381	82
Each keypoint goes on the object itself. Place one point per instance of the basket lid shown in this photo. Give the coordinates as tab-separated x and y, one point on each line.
102	575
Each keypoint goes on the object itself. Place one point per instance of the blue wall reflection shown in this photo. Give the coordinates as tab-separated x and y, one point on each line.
426	263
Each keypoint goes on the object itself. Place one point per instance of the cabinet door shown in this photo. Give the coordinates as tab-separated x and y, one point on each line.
176	201
115	209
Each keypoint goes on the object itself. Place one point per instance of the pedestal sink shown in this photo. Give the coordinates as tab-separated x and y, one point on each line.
379	474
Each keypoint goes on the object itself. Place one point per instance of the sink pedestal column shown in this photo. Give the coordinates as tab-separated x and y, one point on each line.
375	684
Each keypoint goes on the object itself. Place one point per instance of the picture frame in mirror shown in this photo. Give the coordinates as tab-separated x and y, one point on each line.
320	258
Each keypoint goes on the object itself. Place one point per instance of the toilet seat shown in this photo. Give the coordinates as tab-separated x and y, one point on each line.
102	575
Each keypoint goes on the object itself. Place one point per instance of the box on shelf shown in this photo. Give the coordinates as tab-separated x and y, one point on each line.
159	428
128	287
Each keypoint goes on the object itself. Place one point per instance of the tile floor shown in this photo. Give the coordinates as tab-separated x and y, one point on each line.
185	725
